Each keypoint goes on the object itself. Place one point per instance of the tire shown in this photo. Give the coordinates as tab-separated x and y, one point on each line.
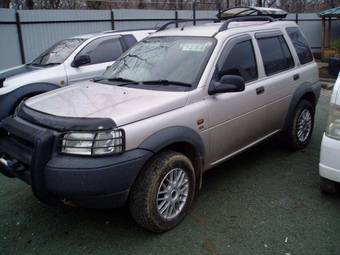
150	186
328	186
301	126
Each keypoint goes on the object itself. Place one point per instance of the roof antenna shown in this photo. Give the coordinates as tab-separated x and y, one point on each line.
182	28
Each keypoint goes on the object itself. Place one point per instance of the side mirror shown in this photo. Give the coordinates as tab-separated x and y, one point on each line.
81	60
227	83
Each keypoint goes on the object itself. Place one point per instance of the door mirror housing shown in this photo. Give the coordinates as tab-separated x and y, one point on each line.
227	83
81	60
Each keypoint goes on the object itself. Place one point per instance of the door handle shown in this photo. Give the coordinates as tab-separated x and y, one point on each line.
296	77
260	90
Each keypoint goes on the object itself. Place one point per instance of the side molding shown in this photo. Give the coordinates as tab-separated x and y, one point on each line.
302	90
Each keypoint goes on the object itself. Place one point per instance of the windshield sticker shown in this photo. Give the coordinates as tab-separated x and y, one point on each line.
198	47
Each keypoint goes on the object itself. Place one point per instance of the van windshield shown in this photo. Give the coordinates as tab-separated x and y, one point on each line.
173	59
58	53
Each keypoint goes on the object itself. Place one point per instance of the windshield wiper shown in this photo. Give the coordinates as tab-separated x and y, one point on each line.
43	65
125	81
166	82
50	64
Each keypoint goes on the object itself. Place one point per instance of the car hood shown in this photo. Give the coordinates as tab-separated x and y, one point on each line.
93	100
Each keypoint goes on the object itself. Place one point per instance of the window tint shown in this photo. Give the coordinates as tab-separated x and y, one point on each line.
103	50
129	40
275	54
241	61
300	44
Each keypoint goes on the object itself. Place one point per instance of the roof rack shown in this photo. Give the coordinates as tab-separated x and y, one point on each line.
251	11
163	27
244	18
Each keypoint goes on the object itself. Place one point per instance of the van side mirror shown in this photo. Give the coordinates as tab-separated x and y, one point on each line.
81	60
227	83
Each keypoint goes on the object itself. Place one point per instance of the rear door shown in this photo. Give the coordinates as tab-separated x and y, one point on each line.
102	52
280	76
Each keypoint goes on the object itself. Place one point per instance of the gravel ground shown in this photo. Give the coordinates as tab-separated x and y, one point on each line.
265	201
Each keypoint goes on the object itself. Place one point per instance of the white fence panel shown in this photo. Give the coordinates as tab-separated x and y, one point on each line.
37	37
127	18
9	42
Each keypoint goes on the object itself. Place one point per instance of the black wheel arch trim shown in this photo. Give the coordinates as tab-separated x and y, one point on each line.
304	89
10	100
177	134
171	135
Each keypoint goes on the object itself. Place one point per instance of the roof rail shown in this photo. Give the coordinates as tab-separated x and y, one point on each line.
126	30
163	27
244	18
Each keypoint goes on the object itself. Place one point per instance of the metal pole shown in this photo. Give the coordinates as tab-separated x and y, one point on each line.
21	44
112	20
194	12
296	18
176	17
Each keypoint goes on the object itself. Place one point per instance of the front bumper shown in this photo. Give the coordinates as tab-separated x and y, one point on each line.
99	182
329	166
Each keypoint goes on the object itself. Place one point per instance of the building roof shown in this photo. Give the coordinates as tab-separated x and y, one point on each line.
334	12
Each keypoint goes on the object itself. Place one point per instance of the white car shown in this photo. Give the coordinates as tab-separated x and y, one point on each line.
329	167
68	61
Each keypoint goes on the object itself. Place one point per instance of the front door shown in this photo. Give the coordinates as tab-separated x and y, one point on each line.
236	119
102	52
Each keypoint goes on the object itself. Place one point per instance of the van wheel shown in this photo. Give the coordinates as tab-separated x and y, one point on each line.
300	131
163	192
328	186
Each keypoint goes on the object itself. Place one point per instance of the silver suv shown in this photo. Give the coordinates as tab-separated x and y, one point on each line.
175	105
74	59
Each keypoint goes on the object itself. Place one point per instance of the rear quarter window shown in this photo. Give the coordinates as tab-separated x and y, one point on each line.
275	54
300	44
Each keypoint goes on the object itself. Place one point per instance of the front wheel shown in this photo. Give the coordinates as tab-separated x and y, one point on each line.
300	131
163	193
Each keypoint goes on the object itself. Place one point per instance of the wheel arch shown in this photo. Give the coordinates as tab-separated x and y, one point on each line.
10	100
180	139
308	91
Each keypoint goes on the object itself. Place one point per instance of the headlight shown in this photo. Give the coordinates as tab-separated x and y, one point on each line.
93	143
333	125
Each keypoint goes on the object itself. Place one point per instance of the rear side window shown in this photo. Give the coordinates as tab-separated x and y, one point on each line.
300	44
103	50
275	54
241	61
129	40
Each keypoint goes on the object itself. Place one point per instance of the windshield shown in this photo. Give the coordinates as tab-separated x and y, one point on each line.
179	59
58	53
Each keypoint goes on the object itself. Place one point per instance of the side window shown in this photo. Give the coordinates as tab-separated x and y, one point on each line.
275	54
241	61
103	50
129	40
300	44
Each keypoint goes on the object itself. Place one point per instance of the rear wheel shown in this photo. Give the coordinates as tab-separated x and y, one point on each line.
300	131
163	193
